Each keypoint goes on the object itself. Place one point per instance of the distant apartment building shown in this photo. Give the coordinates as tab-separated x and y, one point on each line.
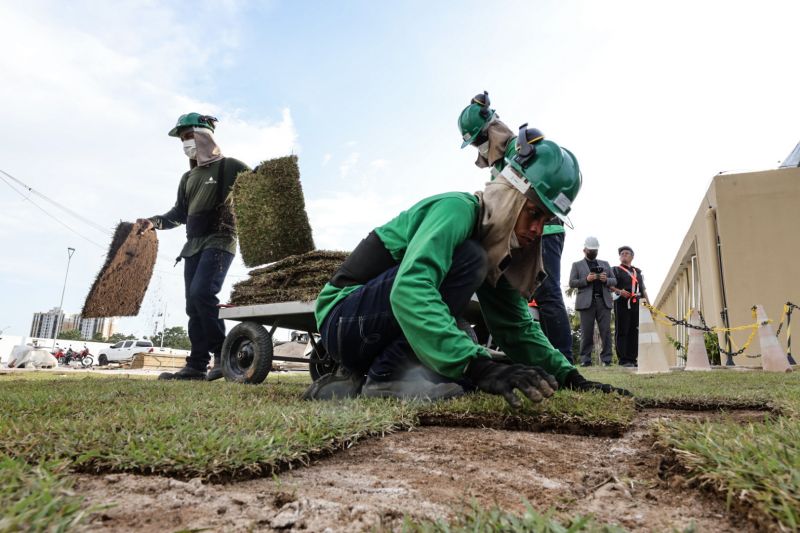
69	322
44	324
91	326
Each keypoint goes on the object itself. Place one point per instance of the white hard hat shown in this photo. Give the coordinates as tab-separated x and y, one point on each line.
591	243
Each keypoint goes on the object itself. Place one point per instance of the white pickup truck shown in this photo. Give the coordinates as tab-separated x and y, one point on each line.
123	351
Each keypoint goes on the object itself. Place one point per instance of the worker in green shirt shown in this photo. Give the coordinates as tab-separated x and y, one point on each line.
397	297
481	127
210	239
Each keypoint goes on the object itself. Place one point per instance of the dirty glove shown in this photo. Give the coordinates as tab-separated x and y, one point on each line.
575	381
501	379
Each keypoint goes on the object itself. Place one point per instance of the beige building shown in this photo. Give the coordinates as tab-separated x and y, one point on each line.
742	249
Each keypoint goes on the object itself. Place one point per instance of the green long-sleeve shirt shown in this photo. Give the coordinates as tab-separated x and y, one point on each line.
197	191
423	239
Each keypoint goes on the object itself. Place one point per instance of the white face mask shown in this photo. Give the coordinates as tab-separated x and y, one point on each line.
190	148
484	149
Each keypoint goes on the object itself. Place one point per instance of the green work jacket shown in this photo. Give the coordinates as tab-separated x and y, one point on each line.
422	240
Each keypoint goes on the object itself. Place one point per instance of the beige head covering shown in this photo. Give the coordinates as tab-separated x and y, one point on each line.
499	135
501	205
207	149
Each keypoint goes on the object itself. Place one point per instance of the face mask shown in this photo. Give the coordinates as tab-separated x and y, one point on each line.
190	148
591	254
484	149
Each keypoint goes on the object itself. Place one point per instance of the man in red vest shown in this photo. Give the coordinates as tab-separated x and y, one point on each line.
630	289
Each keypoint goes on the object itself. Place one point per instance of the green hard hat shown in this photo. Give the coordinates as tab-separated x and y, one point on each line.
550	170
193	120
475	118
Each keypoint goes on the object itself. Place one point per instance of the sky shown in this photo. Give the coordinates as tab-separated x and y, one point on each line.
654	99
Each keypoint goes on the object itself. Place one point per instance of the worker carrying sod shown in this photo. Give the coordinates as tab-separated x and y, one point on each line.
389	315
210	239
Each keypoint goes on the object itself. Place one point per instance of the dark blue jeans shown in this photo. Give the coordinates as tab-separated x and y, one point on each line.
203	275
553	315
362	334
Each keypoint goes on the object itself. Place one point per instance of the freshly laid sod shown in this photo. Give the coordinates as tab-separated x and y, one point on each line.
592	413
719	389
182	430
753	465
476	518
37	497
223	431
756	466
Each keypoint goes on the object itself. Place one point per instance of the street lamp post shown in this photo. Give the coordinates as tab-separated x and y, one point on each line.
70	251
163	325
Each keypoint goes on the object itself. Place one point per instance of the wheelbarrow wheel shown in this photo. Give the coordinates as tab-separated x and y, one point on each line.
247	353
321	362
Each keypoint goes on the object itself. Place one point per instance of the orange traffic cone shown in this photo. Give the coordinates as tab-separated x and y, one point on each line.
651	354
696	354
773	358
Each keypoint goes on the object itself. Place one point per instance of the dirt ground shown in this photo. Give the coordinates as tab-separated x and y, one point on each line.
429	472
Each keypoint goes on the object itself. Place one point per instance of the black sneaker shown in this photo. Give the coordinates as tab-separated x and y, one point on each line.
214	374
410	389
186	373
340	384
216	371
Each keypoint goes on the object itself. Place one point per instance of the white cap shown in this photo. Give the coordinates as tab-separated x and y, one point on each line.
591	243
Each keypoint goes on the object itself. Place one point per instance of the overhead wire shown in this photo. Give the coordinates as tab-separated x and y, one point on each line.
58	205
76	215
43	210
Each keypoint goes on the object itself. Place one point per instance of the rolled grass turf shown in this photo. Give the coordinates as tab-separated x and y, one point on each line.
298	277
120	286
270	210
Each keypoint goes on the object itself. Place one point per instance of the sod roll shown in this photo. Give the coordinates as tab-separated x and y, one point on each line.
295	278
120	286
270	211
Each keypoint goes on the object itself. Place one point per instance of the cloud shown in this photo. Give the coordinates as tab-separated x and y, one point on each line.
347	165
326	159
95	88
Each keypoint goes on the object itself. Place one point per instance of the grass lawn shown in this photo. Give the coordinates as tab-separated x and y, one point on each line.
37	497
51	424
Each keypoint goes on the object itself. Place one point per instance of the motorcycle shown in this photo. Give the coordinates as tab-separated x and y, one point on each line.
59	354
84	357
65	358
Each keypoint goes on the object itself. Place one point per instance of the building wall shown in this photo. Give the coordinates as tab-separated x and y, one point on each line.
756	216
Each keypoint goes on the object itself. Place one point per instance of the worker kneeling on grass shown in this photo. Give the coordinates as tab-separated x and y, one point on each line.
389	315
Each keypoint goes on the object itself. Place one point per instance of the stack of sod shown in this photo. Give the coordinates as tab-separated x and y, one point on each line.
270	211
121	284
299	277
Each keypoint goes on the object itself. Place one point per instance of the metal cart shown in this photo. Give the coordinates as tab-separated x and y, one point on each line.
247	352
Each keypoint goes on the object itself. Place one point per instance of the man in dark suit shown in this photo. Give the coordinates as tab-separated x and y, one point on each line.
593	278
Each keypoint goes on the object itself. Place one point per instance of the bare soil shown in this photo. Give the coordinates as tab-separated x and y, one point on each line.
430	472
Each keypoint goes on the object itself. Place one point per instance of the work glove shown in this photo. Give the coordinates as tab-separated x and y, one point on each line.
575	381
501	379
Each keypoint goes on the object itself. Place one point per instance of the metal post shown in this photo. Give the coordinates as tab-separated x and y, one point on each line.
789	336
163	325
70	251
